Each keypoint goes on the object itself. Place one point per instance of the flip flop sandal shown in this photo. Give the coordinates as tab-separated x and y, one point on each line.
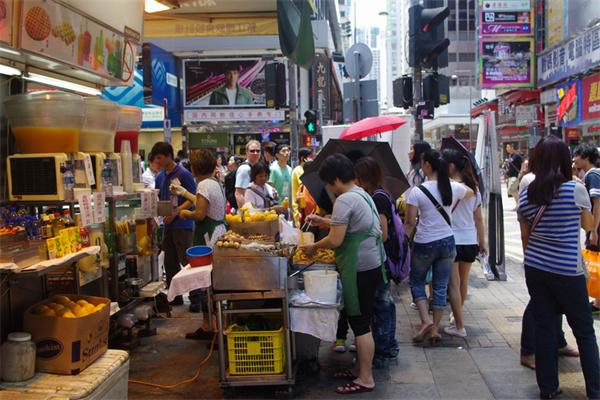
344	374
352	388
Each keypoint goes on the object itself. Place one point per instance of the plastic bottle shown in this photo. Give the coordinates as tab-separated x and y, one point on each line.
127	166
107	179
67	219
68	181
46	227
57	224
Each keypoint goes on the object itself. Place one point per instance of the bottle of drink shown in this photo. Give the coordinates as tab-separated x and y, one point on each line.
67	219
68	182
57	224
107	179
46	227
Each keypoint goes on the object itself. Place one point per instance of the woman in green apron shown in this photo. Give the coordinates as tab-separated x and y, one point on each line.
209	214
355	234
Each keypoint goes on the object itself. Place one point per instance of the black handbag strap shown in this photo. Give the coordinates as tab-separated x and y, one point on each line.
268	200
436	204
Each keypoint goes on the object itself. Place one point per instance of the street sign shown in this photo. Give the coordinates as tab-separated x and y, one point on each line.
359	61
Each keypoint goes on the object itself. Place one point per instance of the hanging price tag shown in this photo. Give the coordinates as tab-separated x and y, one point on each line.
85	208
153	204
119	171
89	170
99	200
146	204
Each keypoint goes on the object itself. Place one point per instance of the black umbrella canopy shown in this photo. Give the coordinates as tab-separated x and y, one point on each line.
395	180
452	143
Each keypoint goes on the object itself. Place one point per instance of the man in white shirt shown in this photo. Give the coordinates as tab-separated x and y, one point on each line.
149	175
242	178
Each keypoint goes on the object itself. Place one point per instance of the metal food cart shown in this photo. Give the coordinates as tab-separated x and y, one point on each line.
250	283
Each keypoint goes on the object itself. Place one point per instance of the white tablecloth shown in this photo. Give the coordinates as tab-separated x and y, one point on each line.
189	279
318	322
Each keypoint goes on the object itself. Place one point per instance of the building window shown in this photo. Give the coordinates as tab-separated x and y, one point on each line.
343	14
451	57
466	57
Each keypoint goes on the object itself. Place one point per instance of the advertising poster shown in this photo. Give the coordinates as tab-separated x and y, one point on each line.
556	22
506	63
225	83
568	103
590	97
5	21
60	33
506	17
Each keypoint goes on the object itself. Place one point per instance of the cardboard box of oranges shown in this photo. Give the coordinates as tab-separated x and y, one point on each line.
70	332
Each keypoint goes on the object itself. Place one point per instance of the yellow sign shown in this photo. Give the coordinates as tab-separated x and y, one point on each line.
179	27
555	22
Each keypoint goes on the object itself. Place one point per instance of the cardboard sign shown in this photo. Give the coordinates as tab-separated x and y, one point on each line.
99	200
86	210
89	170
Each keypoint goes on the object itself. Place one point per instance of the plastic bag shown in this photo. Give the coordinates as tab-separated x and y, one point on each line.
288	234
592	260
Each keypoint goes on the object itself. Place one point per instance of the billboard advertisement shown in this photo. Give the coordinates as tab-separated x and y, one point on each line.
506	18
568	103
590	97
224	83
506	62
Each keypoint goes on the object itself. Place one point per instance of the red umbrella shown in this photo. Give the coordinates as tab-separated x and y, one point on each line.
372	126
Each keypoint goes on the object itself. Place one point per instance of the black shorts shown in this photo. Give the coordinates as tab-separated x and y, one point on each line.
367	282
466	253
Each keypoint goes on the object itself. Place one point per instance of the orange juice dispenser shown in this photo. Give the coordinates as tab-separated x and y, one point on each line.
46	126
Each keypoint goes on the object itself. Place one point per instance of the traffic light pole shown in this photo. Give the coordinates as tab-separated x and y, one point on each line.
417	99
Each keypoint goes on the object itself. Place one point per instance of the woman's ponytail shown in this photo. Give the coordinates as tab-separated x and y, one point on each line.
440	166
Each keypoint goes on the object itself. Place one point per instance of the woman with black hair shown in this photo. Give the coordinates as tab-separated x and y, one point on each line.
552	211
355	234
469	236
260	194
416	176
433	245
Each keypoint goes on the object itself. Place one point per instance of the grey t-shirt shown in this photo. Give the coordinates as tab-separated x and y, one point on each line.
352	209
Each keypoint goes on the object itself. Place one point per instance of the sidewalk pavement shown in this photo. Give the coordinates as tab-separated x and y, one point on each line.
485	365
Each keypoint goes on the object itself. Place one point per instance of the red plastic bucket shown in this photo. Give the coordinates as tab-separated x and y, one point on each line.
199	256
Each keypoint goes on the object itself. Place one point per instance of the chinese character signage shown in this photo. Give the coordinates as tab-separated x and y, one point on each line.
183	27
262	114
321	76
506	17
506	62
590	97
575	56
568	103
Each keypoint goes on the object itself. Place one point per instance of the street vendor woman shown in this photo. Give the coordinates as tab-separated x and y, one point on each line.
209	214
355	234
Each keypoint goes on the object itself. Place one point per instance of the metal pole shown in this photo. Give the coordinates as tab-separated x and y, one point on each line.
357	86
293	90
470	115
417	98
320	109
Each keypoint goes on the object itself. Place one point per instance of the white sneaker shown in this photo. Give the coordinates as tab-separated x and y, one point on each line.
452	331
413	306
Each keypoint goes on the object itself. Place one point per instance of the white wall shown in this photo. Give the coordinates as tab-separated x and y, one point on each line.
116	13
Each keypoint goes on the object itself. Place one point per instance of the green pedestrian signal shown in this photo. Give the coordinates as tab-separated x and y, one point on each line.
311	122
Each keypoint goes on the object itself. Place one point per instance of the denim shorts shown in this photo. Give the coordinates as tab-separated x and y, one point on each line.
439	256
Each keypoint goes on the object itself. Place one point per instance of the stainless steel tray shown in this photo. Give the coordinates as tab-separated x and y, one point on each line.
260	273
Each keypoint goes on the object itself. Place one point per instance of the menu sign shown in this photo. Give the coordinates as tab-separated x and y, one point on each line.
506	18
506	62
6	9
59	32
590	97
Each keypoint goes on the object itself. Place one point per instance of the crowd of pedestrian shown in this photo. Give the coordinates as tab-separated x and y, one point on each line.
431	236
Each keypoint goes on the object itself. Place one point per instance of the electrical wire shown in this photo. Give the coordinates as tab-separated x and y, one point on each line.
186	381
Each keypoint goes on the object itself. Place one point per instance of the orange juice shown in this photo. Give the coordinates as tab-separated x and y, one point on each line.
42	139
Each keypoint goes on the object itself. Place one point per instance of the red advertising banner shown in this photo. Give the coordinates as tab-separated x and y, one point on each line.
591	97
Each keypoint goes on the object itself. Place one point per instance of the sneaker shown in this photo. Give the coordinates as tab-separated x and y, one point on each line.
352	347
413	306
339	346
595	310
452	331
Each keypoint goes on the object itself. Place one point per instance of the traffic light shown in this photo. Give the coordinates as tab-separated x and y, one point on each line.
403	92
426	42
436	89
311	124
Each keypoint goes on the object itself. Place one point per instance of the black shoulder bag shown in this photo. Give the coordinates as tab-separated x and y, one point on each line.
436	204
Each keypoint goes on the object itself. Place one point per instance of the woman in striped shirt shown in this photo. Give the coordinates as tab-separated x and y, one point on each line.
551	213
